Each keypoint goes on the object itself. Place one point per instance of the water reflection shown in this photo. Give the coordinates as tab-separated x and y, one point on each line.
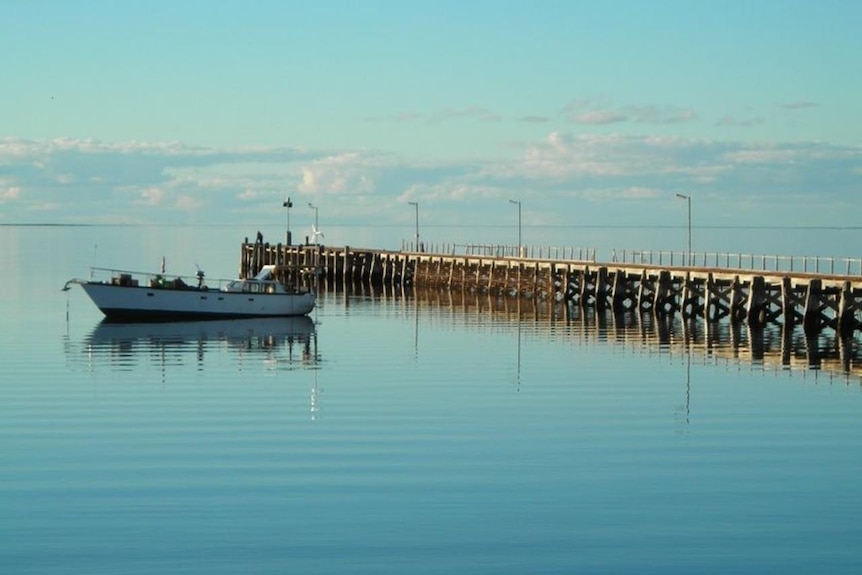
281	343
775	346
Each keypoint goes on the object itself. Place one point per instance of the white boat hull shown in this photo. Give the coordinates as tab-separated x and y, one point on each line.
146	303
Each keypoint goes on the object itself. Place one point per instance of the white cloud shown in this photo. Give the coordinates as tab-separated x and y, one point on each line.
88	181
640	193
589	111
469	113
656	115
44	207
348	173
763	156
746	122
151	197
248	195
185	202
600	117
798	105
10	193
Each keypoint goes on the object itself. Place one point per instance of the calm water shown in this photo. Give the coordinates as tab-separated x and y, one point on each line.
432	433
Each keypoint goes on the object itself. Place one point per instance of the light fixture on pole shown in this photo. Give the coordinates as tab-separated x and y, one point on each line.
518	202
416	205
288	204
688	200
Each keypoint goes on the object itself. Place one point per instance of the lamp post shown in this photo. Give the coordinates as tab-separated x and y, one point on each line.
518	202
416	205
688	200
315	231
288	204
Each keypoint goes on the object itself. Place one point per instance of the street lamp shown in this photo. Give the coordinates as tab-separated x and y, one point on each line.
416	205
314	231
688	200
288	204
518	202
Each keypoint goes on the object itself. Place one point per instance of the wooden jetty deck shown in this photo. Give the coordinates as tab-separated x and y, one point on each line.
817	300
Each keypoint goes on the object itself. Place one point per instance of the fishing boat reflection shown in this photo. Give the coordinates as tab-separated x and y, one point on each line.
286	342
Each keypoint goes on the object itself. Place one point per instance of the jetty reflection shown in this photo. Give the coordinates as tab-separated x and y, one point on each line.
287	342
771	346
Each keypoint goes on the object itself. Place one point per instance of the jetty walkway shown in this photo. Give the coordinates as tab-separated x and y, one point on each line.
817	293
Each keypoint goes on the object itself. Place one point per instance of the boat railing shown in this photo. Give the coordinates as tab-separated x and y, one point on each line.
154	279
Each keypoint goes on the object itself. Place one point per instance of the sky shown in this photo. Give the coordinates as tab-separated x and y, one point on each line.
586	112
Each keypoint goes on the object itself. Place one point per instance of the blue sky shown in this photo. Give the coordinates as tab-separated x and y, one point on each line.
214	111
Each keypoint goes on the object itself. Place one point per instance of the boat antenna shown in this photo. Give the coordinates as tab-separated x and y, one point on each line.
92	267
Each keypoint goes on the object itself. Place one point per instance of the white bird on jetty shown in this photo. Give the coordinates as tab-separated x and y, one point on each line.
314	233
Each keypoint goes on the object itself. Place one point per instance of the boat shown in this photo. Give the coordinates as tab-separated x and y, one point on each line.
141	296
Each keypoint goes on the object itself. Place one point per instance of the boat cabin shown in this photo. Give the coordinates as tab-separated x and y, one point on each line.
263	282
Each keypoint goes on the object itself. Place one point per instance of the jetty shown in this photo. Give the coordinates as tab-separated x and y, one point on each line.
818	293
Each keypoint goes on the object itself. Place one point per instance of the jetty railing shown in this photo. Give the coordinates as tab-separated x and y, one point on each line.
721	260
752	262
570	253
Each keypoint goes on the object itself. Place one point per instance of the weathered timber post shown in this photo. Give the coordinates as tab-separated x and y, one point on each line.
388	274
567	283
584	288
395	280
644	300
535	287
791	302
602	289
712	305
737	300
665	302
398	270
406	270
348	267
688	306
756	297
363	266
524	278
618	295
377	272
572	284
359	267
812	321
846	312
